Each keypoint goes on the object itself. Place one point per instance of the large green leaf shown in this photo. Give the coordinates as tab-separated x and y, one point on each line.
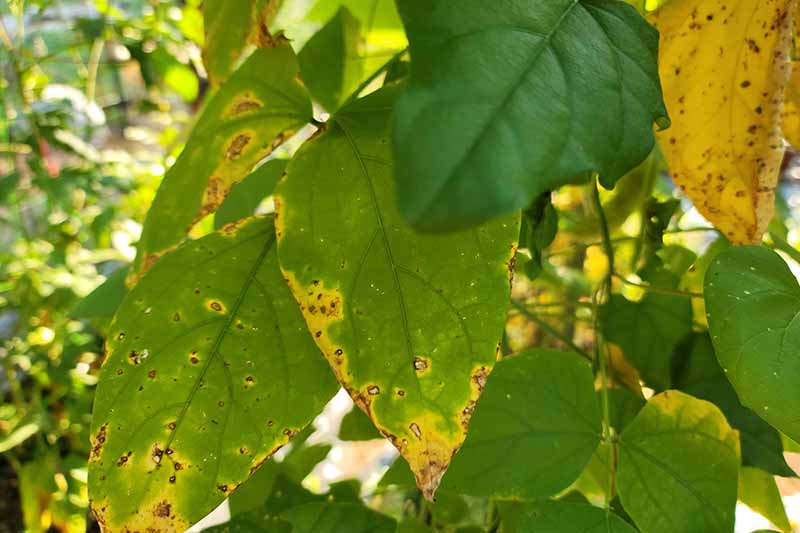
678	466
256	109
330	62
248	194
409	323
337	518
649	331
534	430
512	98
703	378
753	306
562	517
758	490
209	370
230	27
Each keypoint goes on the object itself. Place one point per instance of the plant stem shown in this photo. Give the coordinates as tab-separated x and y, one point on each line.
550	330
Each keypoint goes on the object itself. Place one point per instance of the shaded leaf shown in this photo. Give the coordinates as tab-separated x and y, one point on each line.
230	27
534	430
753	305
209	370
562	517
337	518
246	195
757	490
521	122
330	62
704	378
410	324
102	303
357	426
257	108
678	466
724	72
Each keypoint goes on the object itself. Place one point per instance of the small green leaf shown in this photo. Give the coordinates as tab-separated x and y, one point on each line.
410	323
753	306
330	62
678	466
758	490
357	426
498	109
209	370
534	430
703	378
246	195
337	518
258	107
230	27
412	525
649	331
102	303
561	517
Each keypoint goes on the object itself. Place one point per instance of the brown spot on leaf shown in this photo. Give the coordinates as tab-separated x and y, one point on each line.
236	146
162	510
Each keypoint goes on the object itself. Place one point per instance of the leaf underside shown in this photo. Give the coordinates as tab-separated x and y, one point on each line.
209	370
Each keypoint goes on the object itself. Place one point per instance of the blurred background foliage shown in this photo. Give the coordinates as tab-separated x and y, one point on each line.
97	98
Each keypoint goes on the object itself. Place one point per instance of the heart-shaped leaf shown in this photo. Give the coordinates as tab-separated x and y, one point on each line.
753	310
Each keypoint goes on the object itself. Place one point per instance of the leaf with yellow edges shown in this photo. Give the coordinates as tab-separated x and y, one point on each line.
724	65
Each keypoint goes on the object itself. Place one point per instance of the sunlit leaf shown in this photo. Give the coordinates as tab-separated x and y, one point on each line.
753	305
564	517
337	518
248	194
678	466
534	430
757	490
409	323
499	108
256	109
724	72
209	370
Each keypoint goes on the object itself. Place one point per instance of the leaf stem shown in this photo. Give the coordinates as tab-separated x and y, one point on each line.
550	330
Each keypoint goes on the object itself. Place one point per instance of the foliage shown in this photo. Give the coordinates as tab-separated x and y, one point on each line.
407	200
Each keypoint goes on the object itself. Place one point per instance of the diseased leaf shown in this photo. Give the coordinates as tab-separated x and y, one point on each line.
678	466
563	517
534	430
498	109
257	108
230	27
246	195
790	119
724	68
209	370
409	323
705	379
648	331
330	62
337	518
753	305
757	490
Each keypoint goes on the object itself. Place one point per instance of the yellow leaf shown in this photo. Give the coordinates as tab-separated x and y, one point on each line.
724	65
791	109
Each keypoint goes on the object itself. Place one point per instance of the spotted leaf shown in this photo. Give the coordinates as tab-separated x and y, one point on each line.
209	370
409	323
255	110
724	66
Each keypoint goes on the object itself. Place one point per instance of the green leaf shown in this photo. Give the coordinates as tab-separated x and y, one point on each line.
752	306
678	466
562	517
757	490
412	525
330	62
337	518
409	323
534	430
246	195
539	229
705	379
498	109
357	426
258	107
209	370
230	27
649	331
103	302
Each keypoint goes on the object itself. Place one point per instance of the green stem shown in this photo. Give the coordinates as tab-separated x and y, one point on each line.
660	290
94	66
626	238
550	330
779	243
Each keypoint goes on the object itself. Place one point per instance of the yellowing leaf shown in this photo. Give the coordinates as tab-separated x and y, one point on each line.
790	122
724	65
